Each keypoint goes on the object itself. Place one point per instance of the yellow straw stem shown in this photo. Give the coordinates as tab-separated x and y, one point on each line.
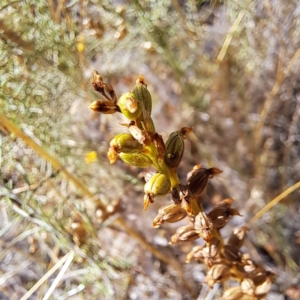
274	202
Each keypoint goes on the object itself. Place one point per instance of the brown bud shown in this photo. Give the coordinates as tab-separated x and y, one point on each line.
184	234
198	181
221	213
238	236
170	213
104	107
103	88
203	226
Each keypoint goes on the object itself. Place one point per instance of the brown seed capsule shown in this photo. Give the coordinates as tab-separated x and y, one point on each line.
123	142
203	226
174	150
104	107
218	273
248	286
170	213
206	253
221	213
136	159
184	234
199	180
262	289
158	185
130	106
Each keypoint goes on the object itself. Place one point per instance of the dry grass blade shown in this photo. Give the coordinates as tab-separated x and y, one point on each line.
48	274
274	202
60	275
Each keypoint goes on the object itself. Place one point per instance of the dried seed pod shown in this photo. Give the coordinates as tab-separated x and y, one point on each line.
103	88
235	293
262	289
174	150
222	212
231	253
130	106
238	236
198	181
248	286
144	97
123	142
78	231
203	226
104	107
195	254
184	234
136	159
207	253
158	185
218	273
170	213
140	135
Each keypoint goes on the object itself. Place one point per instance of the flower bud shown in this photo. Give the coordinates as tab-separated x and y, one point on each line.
123	142
130	106
158	185
174	150
170	213
136	159
142	94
